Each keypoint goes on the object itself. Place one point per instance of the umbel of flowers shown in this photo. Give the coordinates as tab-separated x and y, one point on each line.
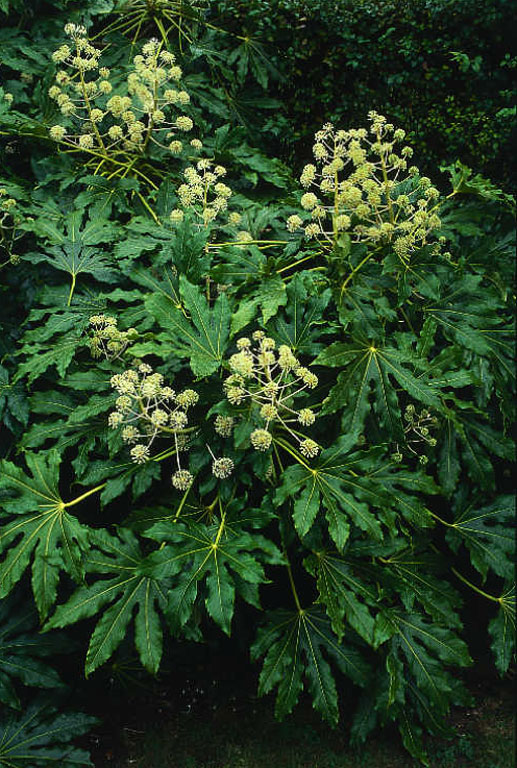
270	380
146	409
360	185
106	340
96	120
203	193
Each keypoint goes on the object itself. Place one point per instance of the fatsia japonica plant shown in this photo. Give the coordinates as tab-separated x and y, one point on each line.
290	404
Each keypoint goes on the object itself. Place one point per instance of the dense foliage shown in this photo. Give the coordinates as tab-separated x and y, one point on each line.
231	387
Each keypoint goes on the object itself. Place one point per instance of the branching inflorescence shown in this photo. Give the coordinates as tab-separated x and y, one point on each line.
107	340
203	193
10	220
98	120
146	409
380	201
271	379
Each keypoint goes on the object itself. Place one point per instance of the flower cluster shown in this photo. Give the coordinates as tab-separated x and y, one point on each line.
361	185
110	123
271	379
145	409
106	340
203	193
417	430
9	222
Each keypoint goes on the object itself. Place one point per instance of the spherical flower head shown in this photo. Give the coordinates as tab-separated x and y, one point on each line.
115	419
320	151
342	222
234	218
224	425
308	175
294	223
196	144
62	53
235	395
184	123
86	141
105	87
243	343
268	412
176	216
312	230
244	236
306	417
309	201
175	73
96	115
270	389
182	479
115	132
286	360
242	363
178	420
309	448
187	398
139	454
123	403
176	147
130	434
151	386
261	439
258	335
57	132
159	417
309	379
267	343
222	468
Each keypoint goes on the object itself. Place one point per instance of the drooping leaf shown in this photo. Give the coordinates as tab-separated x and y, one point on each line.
42	736
22	649
223	557
300	646
127	588
38	530
201	336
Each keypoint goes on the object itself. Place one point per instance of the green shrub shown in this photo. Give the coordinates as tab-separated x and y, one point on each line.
224	388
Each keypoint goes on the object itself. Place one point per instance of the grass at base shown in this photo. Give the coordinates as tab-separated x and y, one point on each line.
244	734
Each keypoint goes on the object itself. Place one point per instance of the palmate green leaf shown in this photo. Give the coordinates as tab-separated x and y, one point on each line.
22	649
42	736
116	598
14	406
470	443
473	316
53	343
223	557
76	248
368	365
299	645
347	599
302	323
333	484
202	336
421	652
502	629
489	535
37	530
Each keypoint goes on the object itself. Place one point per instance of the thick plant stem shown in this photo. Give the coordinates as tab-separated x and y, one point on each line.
476	589
84	495
291	582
